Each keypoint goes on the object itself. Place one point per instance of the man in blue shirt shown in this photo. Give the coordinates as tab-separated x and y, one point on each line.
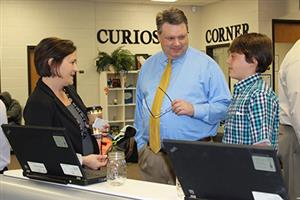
195	100
253	115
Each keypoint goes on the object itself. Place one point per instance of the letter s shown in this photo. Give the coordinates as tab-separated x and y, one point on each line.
155	37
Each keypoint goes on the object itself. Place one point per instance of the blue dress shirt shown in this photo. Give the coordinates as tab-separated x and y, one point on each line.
195	78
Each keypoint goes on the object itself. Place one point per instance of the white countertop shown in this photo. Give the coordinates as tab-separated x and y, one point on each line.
130	189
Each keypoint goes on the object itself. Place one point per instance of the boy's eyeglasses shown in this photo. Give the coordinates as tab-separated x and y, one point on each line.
161	113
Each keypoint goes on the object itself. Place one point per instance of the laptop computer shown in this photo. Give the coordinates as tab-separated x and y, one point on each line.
208	170
46	153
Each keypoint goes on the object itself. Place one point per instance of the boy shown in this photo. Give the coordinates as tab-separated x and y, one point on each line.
253	115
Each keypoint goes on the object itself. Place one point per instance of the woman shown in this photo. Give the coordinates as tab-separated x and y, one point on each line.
54	101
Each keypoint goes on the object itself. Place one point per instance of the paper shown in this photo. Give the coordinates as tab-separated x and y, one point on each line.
100	123
265	196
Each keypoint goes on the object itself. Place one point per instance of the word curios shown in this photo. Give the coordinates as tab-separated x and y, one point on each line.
125	36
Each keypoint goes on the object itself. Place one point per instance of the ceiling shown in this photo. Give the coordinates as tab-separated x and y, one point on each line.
179	2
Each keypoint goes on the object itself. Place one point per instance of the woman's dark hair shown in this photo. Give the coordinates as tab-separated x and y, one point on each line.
172	16
254	45
51	48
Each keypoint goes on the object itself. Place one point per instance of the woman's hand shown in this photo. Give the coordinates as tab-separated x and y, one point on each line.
94	161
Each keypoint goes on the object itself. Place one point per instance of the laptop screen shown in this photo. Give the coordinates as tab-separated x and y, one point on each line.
46	153
223	171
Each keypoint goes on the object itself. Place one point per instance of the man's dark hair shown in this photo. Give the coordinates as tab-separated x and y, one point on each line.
254	45
51	48
172	16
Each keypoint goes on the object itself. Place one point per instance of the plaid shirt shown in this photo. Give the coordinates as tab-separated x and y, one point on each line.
253	114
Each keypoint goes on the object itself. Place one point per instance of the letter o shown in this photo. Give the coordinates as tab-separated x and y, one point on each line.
215	35
142	37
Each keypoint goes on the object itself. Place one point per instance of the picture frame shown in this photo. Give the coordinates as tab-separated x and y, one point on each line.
128	96
140	59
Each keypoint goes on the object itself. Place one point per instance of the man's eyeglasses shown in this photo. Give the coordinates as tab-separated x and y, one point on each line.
165	111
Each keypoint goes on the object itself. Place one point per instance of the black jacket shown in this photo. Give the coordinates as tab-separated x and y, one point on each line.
43	108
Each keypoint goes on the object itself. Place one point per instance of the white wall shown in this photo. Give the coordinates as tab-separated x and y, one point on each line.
227	13
268	10
257	13
289	10
25	23
138	17
293	11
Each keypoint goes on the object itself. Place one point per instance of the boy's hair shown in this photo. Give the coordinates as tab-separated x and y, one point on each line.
254	45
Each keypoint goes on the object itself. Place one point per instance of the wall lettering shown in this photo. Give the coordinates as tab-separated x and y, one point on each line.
125	36
225	34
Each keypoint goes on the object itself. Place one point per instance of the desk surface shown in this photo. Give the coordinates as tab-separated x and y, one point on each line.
14	186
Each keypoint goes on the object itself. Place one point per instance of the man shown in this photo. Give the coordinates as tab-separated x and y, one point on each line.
4	145
289	130
181	94
13	108
253	115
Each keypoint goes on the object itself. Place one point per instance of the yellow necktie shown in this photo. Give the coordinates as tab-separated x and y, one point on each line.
154	135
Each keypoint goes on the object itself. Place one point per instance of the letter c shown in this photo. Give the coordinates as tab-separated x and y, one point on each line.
99	36
208	36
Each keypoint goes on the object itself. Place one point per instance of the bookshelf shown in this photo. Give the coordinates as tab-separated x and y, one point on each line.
119	102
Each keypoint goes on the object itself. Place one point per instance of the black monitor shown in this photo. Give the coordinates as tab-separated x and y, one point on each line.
208	170
46	153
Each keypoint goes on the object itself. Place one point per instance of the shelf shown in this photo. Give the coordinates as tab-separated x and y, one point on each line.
121	88
115	88
119	104
115	105
129	104
116	121
129	72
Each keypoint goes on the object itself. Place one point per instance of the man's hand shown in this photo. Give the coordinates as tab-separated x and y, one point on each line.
181	107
